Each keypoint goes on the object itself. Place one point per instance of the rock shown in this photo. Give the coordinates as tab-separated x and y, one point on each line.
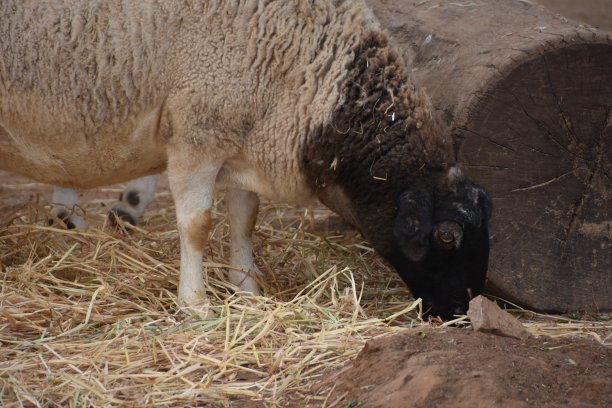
487	317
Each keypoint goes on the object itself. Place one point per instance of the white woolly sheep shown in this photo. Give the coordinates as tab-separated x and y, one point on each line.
290	99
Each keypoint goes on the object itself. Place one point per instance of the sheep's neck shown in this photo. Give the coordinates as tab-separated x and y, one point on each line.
381	136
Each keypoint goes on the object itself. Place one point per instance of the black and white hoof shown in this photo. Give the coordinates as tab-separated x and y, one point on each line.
64	217
133	201
67	220
64	202
117	214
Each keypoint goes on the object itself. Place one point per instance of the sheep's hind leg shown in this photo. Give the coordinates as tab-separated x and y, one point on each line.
242	209
134	200
192	185
64	202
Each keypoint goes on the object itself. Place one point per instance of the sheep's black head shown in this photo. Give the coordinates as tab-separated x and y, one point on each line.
384	161
442	249
436	236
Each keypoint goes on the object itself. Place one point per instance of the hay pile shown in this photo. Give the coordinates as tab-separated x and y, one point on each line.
91	319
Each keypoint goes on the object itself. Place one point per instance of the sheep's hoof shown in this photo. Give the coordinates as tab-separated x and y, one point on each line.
249	285
200	307
117	214
70	221
246	282
250	288
65	218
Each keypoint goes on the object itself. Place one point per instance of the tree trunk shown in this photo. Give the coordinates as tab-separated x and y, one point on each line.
528	95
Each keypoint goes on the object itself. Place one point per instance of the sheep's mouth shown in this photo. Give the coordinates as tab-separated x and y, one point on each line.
433	310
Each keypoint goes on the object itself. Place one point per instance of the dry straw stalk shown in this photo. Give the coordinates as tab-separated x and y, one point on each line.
91	319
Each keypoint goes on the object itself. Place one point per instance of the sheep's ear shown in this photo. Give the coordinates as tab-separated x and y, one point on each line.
476	206
485	203
413	224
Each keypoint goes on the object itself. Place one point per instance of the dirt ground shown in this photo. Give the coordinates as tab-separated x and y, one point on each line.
444	367
455	367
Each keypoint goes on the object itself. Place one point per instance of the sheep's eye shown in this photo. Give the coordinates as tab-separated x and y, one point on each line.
446	237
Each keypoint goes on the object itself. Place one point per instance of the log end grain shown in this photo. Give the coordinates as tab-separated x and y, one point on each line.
541	141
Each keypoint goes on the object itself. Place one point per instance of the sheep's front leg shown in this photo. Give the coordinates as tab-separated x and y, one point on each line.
242	209
64	202
192	186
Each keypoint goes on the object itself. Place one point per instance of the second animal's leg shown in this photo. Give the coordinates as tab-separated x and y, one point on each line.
64	202
242	209
134	200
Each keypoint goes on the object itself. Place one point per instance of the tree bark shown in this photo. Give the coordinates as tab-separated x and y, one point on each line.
528	95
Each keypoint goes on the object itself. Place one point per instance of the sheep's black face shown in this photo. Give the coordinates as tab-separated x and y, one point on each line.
438	242
442	247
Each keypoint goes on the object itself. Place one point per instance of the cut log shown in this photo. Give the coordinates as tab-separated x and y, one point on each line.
528	95
597	13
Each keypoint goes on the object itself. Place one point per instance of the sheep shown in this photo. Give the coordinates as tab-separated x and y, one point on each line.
290	99
131	204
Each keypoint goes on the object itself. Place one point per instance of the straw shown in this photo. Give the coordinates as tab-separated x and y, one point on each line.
91	318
